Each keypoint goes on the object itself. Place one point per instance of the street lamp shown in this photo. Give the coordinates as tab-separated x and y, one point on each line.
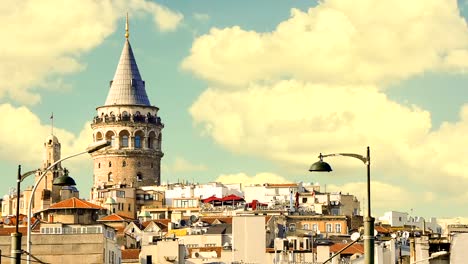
90	149
16	236
368	219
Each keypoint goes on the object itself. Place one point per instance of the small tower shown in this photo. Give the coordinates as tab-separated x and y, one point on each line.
132	124
46	193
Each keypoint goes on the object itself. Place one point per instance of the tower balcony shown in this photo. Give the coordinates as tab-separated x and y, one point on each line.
149	119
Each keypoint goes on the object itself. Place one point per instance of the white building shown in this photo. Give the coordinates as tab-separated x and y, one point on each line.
394	218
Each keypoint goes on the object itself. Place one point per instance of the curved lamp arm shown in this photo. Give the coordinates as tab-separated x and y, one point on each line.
357	156
29	173
92	148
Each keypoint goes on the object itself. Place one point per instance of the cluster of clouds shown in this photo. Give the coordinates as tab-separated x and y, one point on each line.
42	42
318	81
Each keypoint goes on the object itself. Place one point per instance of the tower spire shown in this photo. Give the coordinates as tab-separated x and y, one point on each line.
126	27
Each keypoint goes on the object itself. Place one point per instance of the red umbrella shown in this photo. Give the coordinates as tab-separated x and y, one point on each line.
212	199
232	198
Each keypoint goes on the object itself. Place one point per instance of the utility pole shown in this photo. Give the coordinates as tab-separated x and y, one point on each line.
16	237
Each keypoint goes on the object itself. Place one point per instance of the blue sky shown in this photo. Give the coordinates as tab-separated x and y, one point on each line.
252	92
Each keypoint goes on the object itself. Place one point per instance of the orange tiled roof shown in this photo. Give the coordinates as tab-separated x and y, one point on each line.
6	231
382	230
115	218
356	248
222	219
131	253
75	203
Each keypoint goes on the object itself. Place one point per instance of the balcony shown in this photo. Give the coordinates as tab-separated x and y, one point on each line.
149	119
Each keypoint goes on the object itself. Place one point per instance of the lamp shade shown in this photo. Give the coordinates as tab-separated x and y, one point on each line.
320	166
64	180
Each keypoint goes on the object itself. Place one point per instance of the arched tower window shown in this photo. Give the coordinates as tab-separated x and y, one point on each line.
124	135
110	164
138	139
99	165
151	138
110	177
139	176
98	136
159	140
111	137
124	163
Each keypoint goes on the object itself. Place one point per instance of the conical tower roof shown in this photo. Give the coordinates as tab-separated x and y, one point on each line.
127	87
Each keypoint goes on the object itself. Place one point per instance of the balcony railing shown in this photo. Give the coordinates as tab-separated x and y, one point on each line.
133	118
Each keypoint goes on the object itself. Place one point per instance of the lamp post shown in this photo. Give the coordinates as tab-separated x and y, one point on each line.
92	148
368	219
15	253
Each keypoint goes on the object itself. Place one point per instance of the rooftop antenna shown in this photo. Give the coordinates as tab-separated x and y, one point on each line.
52	123
126	27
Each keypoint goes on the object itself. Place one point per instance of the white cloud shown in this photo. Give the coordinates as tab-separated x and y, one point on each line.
316	84
182	165
338	42
43	40
24	135
201	17
259	178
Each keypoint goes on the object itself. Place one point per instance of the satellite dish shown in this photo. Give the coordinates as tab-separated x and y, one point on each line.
405	234
193	218
7	221
355	236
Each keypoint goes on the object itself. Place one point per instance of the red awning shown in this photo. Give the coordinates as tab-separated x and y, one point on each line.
232	197
211	199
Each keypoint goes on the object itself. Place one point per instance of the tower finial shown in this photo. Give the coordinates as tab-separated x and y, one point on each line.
126	27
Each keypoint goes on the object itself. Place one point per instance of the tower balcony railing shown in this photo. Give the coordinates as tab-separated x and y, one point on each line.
133	118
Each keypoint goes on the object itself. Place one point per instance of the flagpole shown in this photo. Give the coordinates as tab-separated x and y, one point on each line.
52	125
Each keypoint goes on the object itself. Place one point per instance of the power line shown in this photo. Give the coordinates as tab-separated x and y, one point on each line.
38	261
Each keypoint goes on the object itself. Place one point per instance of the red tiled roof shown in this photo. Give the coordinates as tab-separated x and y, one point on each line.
75	203
131	253
356	248
382	230
6	231
222	219
115	218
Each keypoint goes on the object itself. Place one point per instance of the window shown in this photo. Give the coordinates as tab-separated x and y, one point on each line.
125	141
305	226
137	141
338	228
314	227
304	200
113	140
129	207
328	228
124	163
110	177
139	176
110	164
99	165
121	194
